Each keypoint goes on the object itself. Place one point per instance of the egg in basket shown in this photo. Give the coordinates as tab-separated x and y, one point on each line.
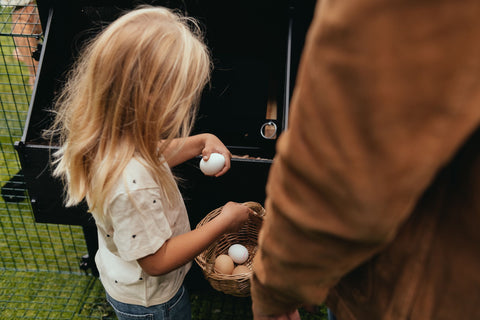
232	276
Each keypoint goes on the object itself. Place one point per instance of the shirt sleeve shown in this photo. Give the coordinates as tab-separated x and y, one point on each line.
377	110
140	226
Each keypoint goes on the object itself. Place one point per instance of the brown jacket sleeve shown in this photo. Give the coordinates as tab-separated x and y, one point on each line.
387	91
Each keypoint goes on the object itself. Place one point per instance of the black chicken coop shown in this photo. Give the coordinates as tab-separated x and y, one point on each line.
255	47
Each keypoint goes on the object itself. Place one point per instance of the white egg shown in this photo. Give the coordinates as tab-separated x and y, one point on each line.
238	253
213	165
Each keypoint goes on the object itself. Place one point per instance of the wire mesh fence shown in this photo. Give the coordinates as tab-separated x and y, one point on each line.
25	245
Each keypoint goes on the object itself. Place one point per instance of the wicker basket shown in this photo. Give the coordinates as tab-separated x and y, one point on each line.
236	285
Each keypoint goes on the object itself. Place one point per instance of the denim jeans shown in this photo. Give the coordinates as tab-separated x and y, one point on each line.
331	316
177	308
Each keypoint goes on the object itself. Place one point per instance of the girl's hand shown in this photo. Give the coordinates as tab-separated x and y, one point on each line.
234	215
213	145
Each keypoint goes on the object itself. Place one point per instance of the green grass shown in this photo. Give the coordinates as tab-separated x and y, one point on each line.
47	295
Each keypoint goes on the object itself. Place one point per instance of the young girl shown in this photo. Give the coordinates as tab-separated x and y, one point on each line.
123	120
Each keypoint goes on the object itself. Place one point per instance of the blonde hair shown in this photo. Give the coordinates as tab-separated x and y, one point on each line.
138	82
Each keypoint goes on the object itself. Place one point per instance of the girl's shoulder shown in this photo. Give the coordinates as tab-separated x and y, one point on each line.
135	176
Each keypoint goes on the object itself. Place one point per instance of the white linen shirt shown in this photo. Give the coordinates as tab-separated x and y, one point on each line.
137	224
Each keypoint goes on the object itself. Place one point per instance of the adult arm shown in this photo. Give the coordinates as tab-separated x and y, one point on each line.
384	98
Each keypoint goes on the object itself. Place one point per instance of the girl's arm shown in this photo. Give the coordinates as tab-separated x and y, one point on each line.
181	249
181	150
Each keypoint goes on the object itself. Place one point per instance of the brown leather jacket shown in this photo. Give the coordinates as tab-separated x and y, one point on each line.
373	199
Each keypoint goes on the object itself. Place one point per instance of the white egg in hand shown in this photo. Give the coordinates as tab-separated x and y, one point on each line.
213	165
238	253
